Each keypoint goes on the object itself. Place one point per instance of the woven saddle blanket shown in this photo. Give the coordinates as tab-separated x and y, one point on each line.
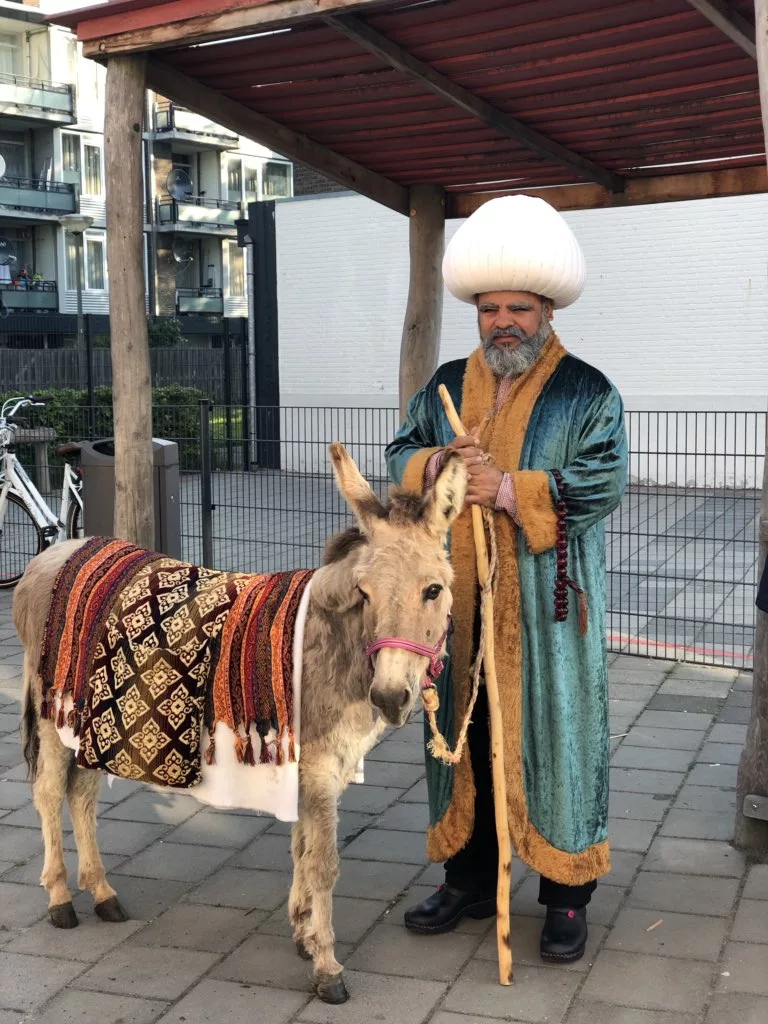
142	651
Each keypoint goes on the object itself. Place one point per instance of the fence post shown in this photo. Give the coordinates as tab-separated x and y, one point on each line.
206	483
89	376
227	391
245	395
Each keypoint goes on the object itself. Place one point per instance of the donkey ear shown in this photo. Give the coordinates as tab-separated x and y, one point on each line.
446	499
354	488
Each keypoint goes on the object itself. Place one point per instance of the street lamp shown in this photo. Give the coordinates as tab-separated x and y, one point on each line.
76	224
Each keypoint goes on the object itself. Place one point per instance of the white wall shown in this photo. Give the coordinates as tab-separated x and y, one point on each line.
675	310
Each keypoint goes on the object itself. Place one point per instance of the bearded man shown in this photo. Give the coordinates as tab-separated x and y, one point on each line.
547	453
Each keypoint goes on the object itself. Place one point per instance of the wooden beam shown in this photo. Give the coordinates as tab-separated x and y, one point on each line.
131	377
730	22
237	117
420	345
394	55
751	833
667	188
187	22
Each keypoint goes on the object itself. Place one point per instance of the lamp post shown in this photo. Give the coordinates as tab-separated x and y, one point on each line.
76	224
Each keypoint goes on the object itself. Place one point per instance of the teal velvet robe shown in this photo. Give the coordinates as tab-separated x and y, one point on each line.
575	424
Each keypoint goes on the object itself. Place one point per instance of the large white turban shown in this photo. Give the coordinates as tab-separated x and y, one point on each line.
519	244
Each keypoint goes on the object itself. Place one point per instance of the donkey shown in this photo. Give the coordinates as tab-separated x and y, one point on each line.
376	622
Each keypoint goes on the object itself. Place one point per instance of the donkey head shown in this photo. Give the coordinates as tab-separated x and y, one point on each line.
402	576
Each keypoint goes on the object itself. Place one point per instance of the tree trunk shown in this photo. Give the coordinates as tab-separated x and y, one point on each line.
131	380
420	346
752	833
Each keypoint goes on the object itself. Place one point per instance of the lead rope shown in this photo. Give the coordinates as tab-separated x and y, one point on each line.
430	698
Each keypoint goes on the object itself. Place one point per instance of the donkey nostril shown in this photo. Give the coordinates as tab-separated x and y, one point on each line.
406	696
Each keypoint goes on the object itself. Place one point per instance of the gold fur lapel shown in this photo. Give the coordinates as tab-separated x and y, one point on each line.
502	436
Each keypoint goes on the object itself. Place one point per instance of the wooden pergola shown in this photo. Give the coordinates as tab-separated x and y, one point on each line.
431	107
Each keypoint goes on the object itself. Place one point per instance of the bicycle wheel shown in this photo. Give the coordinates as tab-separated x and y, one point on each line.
74	522
21	539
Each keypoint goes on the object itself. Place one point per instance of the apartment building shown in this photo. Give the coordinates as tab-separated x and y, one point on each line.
198	178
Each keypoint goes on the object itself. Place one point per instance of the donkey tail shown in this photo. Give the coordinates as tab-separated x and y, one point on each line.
30	735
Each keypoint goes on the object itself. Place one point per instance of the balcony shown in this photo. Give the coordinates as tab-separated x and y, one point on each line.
198	213
200	300
36	196
37	101
38	295
176	124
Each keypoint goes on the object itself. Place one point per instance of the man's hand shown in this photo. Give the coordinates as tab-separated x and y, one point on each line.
469	449
483	486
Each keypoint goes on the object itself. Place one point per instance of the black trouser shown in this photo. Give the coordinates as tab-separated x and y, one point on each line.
475	867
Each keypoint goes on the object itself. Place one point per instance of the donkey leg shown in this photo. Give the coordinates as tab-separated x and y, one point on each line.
48	790
322	870
82	794
300	898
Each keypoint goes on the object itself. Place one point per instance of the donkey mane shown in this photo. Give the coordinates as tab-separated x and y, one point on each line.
402	507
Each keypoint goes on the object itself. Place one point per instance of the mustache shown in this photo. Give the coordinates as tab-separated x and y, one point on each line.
506	332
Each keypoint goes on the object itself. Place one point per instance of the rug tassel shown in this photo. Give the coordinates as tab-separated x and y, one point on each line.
240	742
248	757
71	718
210	753
77	722
45	708
291	747
264	757
279	755
60	716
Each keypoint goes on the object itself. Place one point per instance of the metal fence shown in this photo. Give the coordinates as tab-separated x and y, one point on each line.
681	549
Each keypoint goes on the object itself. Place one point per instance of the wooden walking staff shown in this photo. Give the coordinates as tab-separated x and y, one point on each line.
497	726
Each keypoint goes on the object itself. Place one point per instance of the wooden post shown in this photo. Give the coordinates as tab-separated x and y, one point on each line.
420	346
751	834
131	380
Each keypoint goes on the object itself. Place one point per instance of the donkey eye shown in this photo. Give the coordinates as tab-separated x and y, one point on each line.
363	594
432	592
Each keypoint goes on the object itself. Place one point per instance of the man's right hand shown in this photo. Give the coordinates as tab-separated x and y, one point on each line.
468	448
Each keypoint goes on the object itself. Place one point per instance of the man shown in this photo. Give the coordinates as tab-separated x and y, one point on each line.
547	452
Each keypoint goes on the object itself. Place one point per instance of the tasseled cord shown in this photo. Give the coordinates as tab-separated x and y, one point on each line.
430	698
563	582
210	753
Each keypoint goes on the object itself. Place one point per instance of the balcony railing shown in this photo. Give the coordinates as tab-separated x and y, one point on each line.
200	300
34	194
198	211
42	101
178	120
25	298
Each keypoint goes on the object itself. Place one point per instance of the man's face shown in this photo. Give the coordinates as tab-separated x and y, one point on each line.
513	327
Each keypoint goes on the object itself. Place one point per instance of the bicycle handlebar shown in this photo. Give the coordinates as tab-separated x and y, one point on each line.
12	405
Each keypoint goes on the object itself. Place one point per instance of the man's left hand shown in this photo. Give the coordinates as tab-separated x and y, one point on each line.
483	485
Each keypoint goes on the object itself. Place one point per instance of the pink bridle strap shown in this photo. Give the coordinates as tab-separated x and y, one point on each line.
435	666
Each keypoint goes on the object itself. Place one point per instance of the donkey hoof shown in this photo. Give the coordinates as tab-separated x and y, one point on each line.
63	916
110	910
331	988
302	950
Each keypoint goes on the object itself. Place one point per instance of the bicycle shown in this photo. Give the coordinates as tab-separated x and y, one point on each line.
27	524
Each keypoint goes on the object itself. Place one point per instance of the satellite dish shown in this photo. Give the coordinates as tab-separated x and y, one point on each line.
7	255
183	251
178	184
3	167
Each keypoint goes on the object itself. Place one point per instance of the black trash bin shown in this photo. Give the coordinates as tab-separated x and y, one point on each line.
97	460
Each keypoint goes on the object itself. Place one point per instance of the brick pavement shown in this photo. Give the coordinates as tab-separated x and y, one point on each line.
679	929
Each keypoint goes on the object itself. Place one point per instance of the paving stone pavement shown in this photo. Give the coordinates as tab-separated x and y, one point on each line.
679	928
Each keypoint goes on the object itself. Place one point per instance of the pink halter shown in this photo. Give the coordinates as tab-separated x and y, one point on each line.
435	666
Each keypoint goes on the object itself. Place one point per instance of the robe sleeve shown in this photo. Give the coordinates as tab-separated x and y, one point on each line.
592	482
414	444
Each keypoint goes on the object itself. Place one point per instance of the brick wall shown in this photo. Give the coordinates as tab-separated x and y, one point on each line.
307	182
675	310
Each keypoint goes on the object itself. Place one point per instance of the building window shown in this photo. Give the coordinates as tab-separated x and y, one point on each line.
10	54
251	182
94	263
92	171
234	180
70	152
236	271
13	151
277	180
